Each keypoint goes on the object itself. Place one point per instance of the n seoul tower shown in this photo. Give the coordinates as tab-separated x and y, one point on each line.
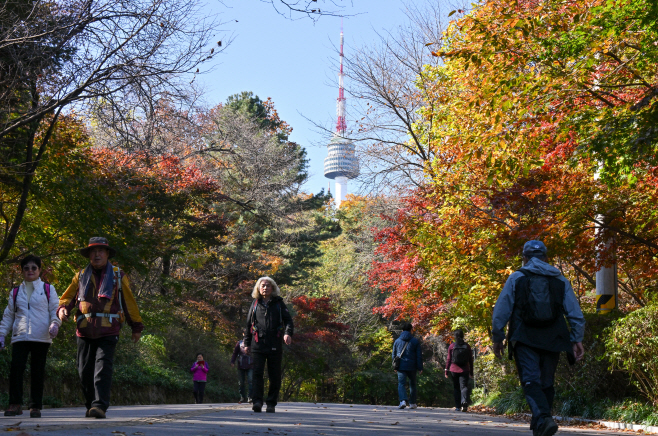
341	163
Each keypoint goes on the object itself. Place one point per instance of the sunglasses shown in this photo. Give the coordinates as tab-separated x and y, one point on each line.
30	268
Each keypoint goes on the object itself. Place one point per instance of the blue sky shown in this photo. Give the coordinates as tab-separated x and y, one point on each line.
293	62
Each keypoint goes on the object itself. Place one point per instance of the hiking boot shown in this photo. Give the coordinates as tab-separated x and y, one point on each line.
35	413
402	405
257	407
547	428
413	406
269	409
96	412
87	415
464	407
13	410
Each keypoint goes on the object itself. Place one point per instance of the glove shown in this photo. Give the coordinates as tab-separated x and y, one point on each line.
53	330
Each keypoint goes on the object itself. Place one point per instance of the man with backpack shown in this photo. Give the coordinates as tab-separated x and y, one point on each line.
408	359
544	319
460	365
269	326
245	370
103	299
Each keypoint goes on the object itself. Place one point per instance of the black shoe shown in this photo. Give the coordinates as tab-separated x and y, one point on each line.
547	428
96	412
257	407
35	413
269	409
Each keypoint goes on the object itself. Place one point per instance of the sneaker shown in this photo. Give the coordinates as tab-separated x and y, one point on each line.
257	407
458	409
402	405
269	409
464	407
547	428
14	409
35	413
97	412
413	406
249	400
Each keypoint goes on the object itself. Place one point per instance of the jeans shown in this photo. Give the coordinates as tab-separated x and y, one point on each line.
536	370
95	367
273	361
199	389
246	377
460	388
38	353
402	381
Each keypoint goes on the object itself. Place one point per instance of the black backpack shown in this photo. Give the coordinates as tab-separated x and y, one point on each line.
539	299
460	355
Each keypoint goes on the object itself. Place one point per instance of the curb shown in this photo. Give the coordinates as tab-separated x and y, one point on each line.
650	429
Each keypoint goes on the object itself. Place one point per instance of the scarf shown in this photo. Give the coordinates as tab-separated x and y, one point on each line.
85	284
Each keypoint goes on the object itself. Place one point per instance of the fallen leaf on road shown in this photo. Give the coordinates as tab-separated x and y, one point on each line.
395	423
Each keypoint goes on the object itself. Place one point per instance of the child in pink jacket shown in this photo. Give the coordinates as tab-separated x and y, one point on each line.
199	372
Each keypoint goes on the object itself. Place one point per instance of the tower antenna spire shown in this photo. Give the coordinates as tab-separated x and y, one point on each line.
341	163
341	125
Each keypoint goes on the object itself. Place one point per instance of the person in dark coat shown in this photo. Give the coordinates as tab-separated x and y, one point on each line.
460	369
536	348
269	325
245	370
411	364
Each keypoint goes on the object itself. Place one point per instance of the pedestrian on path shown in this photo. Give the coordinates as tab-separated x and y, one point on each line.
103	299
199	372
31	315
269	325
460	365
407	347
245	370
544	319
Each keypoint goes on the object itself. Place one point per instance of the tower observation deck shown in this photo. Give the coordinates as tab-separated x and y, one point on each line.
341	163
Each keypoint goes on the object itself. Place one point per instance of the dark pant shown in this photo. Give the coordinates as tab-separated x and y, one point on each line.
38	352
199	389
95	364
536	370
460	388
246	376
274	373
402	390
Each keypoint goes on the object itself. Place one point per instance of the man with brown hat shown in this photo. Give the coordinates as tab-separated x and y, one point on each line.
101	293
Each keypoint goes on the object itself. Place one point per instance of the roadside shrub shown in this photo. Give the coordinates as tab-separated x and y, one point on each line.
632	346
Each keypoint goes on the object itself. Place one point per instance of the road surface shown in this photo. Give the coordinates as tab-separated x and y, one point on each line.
290	419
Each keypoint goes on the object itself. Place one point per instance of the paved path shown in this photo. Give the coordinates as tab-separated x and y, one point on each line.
291	419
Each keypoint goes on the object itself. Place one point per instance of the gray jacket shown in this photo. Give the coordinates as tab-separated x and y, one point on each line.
504	309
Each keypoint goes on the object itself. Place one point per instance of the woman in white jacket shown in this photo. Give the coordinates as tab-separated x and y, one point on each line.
31	316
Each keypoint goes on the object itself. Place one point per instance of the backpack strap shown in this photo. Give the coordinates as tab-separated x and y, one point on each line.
46	288
251	320
14	293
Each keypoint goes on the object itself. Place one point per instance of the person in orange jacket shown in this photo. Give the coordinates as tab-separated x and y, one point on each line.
103	299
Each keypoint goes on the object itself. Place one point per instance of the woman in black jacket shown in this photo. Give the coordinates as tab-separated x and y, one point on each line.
269	324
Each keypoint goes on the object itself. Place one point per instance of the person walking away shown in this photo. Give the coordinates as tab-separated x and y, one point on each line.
460	365
245	370
269	326
103	299
411	363
199	372
544	319
31	315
